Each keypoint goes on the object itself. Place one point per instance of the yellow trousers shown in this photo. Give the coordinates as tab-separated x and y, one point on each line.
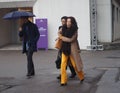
63	68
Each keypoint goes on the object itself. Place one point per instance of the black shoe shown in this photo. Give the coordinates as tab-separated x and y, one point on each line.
29	75
64	84
72	76
82	81
59	77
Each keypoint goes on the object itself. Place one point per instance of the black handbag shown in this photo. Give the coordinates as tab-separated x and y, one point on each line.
58	63
58	60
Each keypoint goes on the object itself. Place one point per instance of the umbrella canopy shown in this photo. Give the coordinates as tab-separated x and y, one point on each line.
18	14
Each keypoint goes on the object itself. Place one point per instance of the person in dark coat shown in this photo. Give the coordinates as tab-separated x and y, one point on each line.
30	35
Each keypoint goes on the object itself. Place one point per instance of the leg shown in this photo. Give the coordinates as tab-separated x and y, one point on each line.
63	69
58	62
30	64
73	73
80	73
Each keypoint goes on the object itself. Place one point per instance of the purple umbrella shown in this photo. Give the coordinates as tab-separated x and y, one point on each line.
18	14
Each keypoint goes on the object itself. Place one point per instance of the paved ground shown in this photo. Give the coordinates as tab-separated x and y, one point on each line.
102	73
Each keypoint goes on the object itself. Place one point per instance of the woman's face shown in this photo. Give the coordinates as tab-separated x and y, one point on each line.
63	21
69	23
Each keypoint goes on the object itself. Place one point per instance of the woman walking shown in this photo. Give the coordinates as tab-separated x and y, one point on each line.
69	49
73	73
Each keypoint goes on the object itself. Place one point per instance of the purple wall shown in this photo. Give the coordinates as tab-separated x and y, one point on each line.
43	29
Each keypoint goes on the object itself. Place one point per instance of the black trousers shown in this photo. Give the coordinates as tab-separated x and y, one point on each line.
72	70
30	65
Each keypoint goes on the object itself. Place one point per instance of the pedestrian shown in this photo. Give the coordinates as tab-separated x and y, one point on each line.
58	60
30	35
69	49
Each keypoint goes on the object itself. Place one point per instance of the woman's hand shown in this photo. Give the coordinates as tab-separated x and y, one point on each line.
59	35
20	29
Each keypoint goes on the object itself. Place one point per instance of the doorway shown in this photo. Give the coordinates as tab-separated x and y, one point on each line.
115	20
9	28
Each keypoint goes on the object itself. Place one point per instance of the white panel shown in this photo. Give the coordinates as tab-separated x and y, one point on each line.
55	9
104	20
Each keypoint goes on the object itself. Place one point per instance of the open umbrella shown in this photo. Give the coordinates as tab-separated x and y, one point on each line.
18	14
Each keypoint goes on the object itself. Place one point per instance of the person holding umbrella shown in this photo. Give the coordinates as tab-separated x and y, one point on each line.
30	35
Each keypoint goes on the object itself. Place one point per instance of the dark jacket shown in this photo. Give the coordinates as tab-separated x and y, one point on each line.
30	35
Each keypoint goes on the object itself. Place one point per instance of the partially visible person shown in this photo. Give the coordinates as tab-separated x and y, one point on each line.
73	73
69	49
30	35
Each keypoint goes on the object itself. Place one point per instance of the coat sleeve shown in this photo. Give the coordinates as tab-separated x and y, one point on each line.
66	39
37	33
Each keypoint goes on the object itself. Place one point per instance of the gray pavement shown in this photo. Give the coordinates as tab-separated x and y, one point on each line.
102	73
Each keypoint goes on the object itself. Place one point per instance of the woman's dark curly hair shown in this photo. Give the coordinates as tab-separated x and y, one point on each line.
68	32
73	22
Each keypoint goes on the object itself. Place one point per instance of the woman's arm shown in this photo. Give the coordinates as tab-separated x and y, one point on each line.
66	39
59	31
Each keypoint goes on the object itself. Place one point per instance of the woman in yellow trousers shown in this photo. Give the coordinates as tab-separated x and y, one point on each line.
69	48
